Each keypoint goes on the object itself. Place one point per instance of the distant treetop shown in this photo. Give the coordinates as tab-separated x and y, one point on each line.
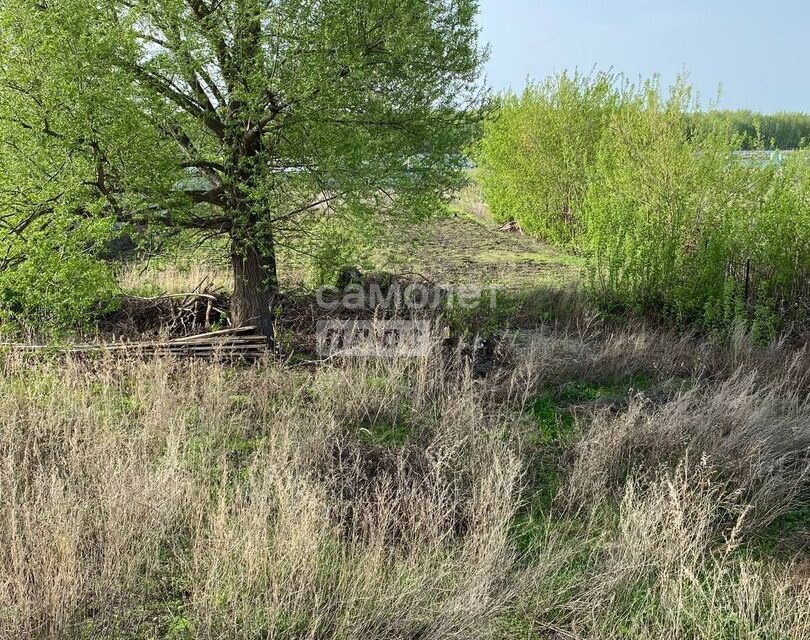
785	131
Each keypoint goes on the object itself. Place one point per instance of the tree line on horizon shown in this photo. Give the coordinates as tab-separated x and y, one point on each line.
786	131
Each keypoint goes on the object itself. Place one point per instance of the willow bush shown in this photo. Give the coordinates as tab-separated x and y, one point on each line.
674	221
670	216
535	155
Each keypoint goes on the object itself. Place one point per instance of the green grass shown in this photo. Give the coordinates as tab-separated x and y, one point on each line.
553	414
387	435
552	409
786	532
468	250
547	256
580	391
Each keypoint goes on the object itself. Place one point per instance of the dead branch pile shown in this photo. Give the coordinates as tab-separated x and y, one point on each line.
511	227
174	315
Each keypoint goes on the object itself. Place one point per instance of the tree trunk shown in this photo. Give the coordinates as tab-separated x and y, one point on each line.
255	284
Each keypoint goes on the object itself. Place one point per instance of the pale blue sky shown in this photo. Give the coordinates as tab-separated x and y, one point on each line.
758	50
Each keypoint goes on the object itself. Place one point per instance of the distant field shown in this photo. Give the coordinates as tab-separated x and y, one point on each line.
463	250
464	247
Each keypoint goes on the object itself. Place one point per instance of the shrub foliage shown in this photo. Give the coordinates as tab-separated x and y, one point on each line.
535	153
53	280
671	212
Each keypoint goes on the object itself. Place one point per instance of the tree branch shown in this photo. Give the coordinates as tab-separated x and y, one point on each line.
166	88
203	164
215	196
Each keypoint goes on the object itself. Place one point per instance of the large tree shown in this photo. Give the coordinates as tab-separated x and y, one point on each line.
245	118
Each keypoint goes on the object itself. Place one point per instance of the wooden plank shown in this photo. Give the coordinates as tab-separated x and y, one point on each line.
224	341
228	343
223	332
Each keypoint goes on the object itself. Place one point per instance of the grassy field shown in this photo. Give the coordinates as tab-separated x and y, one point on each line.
461	248
602	483
464	250
598	478
271	371
603	479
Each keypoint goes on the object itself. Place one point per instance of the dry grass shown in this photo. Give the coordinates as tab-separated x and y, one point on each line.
379	498
174	277
756	438
163	497
470	201
659	568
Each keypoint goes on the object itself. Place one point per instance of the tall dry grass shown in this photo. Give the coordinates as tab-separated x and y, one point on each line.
159	498
755	437
660	567
380	499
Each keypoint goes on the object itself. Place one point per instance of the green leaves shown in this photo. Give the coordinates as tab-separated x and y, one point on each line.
670	214
52	281
679	222
243	118
537	150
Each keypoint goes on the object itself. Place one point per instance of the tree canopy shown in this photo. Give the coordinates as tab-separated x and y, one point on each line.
244	118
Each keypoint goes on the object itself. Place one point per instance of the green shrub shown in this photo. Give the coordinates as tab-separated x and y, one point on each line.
676	222
656	212
670	215
537	149
52	288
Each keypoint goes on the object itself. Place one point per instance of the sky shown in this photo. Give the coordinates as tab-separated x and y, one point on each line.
756	53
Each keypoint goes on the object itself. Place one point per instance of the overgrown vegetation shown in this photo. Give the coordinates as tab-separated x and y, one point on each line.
55	289
669	215
536	152
400	498
539	469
